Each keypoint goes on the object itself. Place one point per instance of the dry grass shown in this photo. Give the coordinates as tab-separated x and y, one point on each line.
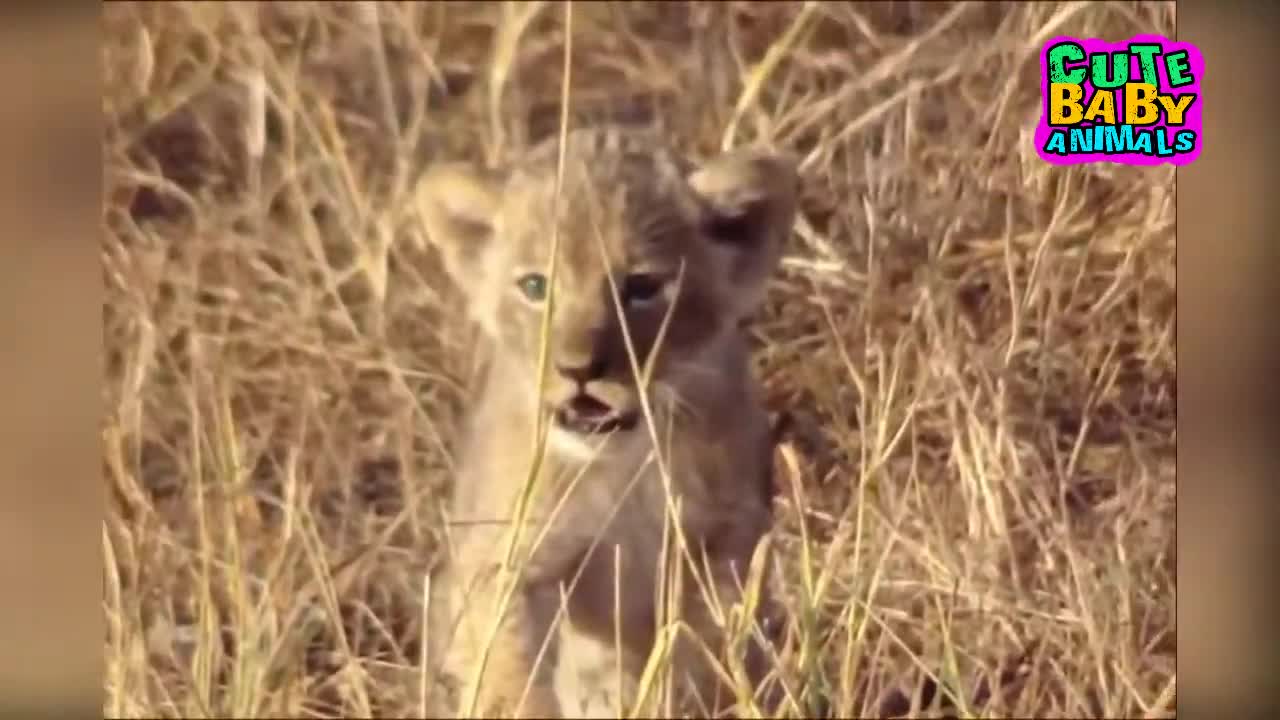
976	349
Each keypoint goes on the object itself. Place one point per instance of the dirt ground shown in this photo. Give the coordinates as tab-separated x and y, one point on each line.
976	350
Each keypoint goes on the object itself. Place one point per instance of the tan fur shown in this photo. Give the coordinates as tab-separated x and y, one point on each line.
690	249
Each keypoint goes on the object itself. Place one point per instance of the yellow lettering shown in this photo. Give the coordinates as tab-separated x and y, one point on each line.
1064	104
1102	104
1140	104
1175	110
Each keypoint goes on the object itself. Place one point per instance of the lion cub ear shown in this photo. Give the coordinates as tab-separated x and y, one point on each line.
748	199
458	204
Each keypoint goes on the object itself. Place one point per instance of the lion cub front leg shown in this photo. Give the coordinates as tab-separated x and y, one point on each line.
513	680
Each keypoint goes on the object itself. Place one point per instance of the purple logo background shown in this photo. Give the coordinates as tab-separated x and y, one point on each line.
1192	120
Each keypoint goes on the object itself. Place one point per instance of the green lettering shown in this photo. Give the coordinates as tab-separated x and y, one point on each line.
1178	66
1119	70
1146	53
1059	55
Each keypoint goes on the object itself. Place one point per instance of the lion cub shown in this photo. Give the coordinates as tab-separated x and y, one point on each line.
646	502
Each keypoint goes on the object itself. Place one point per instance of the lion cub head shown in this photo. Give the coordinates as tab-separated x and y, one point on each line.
658	261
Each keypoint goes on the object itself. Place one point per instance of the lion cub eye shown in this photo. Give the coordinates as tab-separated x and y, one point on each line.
640	288
534	286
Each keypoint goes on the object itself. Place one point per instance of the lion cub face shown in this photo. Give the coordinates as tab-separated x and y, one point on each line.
657	261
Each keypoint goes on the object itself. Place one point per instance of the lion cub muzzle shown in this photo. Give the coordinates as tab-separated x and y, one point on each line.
590	409
586	415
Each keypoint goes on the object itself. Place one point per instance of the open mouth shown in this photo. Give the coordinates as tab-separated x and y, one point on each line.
586	415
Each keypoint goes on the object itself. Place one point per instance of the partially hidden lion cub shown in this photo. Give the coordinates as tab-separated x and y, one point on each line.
658	262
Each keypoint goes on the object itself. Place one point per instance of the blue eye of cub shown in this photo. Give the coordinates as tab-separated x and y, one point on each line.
534	286
640	288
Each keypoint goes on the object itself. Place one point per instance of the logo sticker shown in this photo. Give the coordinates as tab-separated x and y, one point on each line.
1135	102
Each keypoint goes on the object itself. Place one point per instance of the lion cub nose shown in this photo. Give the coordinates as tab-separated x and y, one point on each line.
584	370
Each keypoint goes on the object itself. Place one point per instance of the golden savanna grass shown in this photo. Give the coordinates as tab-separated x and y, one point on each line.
974	350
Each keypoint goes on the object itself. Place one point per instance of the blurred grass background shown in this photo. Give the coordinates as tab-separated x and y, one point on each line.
976	349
